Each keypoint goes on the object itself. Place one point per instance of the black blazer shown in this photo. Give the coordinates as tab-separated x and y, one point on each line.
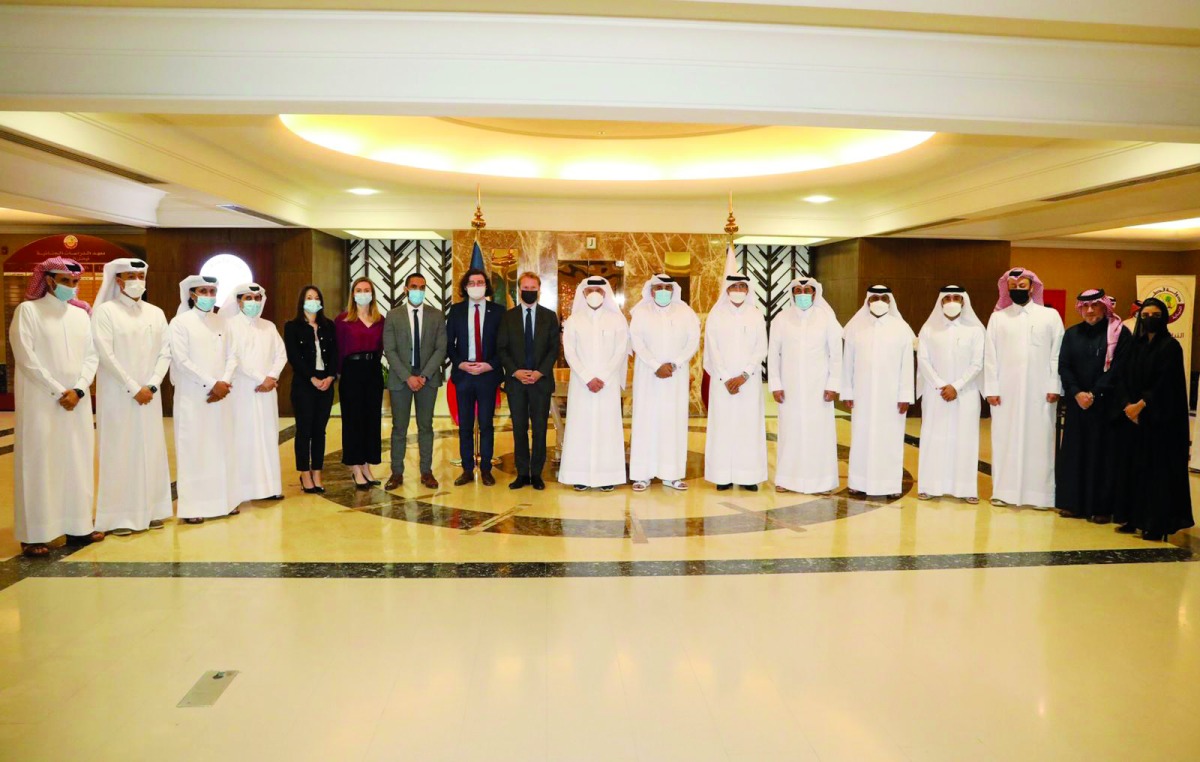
460	326
302	349
546	333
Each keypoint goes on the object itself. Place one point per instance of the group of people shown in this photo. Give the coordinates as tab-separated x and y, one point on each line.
225	371
1123	454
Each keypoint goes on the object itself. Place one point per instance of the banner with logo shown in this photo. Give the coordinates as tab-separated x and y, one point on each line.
1178	292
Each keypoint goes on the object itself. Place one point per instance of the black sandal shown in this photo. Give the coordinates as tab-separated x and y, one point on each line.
35	550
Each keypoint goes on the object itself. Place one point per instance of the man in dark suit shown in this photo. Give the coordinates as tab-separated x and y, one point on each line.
414	342
529	336
472	328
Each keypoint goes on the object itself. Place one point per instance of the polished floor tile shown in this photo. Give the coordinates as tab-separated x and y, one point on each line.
480	623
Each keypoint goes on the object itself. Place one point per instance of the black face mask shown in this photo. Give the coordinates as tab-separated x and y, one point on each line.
1154	324
529	297
1019	295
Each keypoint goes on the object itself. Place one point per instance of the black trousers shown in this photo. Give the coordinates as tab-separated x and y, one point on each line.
481	391
312	408
530	405
361	391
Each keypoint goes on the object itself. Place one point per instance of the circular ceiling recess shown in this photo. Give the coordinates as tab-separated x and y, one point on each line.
596	150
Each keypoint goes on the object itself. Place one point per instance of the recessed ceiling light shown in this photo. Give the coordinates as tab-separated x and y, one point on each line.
362	191
1188	224
818	199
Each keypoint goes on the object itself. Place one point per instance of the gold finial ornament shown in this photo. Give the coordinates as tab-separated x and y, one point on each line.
731	225
478	222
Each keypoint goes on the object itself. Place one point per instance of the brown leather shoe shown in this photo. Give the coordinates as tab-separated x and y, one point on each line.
394	481
487	478
466	478
428	480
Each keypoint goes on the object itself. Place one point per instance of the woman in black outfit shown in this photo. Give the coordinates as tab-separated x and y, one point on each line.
311	344
1152	418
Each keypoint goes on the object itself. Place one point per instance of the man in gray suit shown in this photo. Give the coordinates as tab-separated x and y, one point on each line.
414	342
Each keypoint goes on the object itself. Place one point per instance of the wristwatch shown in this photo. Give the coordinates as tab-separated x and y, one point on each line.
78	393
153	389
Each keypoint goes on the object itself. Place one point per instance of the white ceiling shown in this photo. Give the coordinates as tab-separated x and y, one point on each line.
1029	101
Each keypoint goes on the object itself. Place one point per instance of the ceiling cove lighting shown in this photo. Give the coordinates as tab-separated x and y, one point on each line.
397	235
818	199
578	151
1188	224
362	191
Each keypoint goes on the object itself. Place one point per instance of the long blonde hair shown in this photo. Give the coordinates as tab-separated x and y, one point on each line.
352	307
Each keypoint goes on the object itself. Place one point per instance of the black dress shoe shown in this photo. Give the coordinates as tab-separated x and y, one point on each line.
486	478
519	482
537	482
1127	529
749	487
723	487
465	478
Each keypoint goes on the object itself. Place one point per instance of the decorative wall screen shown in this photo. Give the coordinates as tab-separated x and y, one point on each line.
771	270
388	262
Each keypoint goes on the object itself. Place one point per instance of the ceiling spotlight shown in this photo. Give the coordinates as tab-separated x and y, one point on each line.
362	191
818	199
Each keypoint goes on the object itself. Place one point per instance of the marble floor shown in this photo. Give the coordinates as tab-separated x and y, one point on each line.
480	623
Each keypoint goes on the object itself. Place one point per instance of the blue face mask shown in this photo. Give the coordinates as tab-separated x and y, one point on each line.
804	301
415	297
313	306
663	298
362	298
206	303
251	309
64	293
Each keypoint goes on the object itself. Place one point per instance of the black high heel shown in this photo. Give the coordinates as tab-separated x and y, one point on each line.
308	490
364	486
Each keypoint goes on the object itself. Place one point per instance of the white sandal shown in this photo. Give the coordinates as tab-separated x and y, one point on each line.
640	486
677	484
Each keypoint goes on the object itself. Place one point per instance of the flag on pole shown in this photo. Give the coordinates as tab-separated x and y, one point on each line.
731	265
477	257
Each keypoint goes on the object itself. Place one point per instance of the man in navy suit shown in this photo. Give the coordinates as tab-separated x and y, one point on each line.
471	330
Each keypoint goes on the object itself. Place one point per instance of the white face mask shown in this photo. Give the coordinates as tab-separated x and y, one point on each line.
135	288
951	309
737	297
476	292
879	309
594	299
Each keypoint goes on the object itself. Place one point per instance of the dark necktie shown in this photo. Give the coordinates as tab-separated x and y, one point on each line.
528	339
416	342
478	335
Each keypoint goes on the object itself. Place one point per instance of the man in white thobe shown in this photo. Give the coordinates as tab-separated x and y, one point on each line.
135	351
949	361
804	371
1021	383
735	345
202	366
260	356
877	386
665	334
596	346
53	450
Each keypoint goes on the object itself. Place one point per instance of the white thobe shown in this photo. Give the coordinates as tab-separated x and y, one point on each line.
134	346
259	353
804	360
596	345
950	354
53	450
1020	366
735	342
204	433
659	440
877	375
